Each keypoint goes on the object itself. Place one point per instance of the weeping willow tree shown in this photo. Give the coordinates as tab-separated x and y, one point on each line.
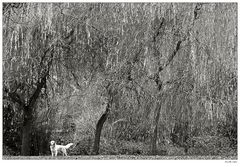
45	43
27	59
214	68
203	90
183	61
36	38
165	63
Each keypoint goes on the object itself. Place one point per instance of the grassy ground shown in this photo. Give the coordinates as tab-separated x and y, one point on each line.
119	157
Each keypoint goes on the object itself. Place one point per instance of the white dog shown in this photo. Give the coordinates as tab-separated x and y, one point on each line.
56	148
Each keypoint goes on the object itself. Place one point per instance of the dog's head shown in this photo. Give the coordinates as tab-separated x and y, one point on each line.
52	143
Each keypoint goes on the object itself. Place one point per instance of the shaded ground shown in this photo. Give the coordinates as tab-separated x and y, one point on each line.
119	157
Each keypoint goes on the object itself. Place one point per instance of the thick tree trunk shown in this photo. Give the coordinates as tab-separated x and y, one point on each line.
26	140
26	132
154	140
98	131
28	118
28	110
155	131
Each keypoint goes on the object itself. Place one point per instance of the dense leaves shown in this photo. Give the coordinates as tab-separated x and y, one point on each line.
136	78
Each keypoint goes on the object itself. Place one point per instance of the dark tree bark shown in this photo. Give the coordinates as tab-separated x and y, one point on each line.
27	114
98	131
28	118
26	131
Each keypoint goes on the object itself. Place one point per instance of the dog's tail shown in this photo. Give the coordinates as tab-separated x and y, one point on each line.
68	145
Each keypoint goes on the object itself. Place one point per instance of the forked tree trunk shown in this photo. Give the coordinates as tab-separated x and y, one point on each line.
28	118
28	111
98	131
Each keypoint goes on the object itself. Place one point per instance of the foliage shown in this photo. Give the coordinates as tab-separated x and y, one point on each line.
9	152
211	145
163	67
12	131
82	146
122	147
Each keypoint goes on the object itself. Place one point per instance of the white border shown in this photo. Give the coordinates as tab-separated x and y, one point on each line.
132	163
127	1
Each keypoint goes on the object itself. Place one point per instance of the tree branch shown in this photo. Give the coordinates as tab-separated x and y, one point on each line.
173	54
196	10
35	95
14	97
42	83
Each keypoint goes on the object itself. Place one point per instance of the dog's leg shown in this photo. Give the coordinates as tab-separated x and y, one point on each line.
64	152
56	153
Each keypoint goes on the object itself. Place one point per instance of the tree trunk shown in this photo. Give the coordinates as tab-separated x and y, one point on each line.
28	111
155	131
98	131
28	117
26	132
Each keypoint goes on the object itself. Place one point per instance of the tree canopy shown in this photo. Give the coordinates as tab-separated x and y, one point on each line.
158	71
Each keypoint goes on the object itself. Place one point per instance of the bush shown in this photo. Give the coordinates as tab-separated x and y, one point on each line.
8	151
82	146
132	148
11	130
115	147
109	147
175	151
229	130
211	145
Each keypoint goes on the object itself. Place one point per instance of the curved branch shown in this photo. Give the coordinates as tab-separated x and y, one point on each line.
120	120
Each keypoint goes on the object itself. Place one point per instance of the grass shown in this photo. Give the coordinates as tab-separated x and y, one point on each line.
119	157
